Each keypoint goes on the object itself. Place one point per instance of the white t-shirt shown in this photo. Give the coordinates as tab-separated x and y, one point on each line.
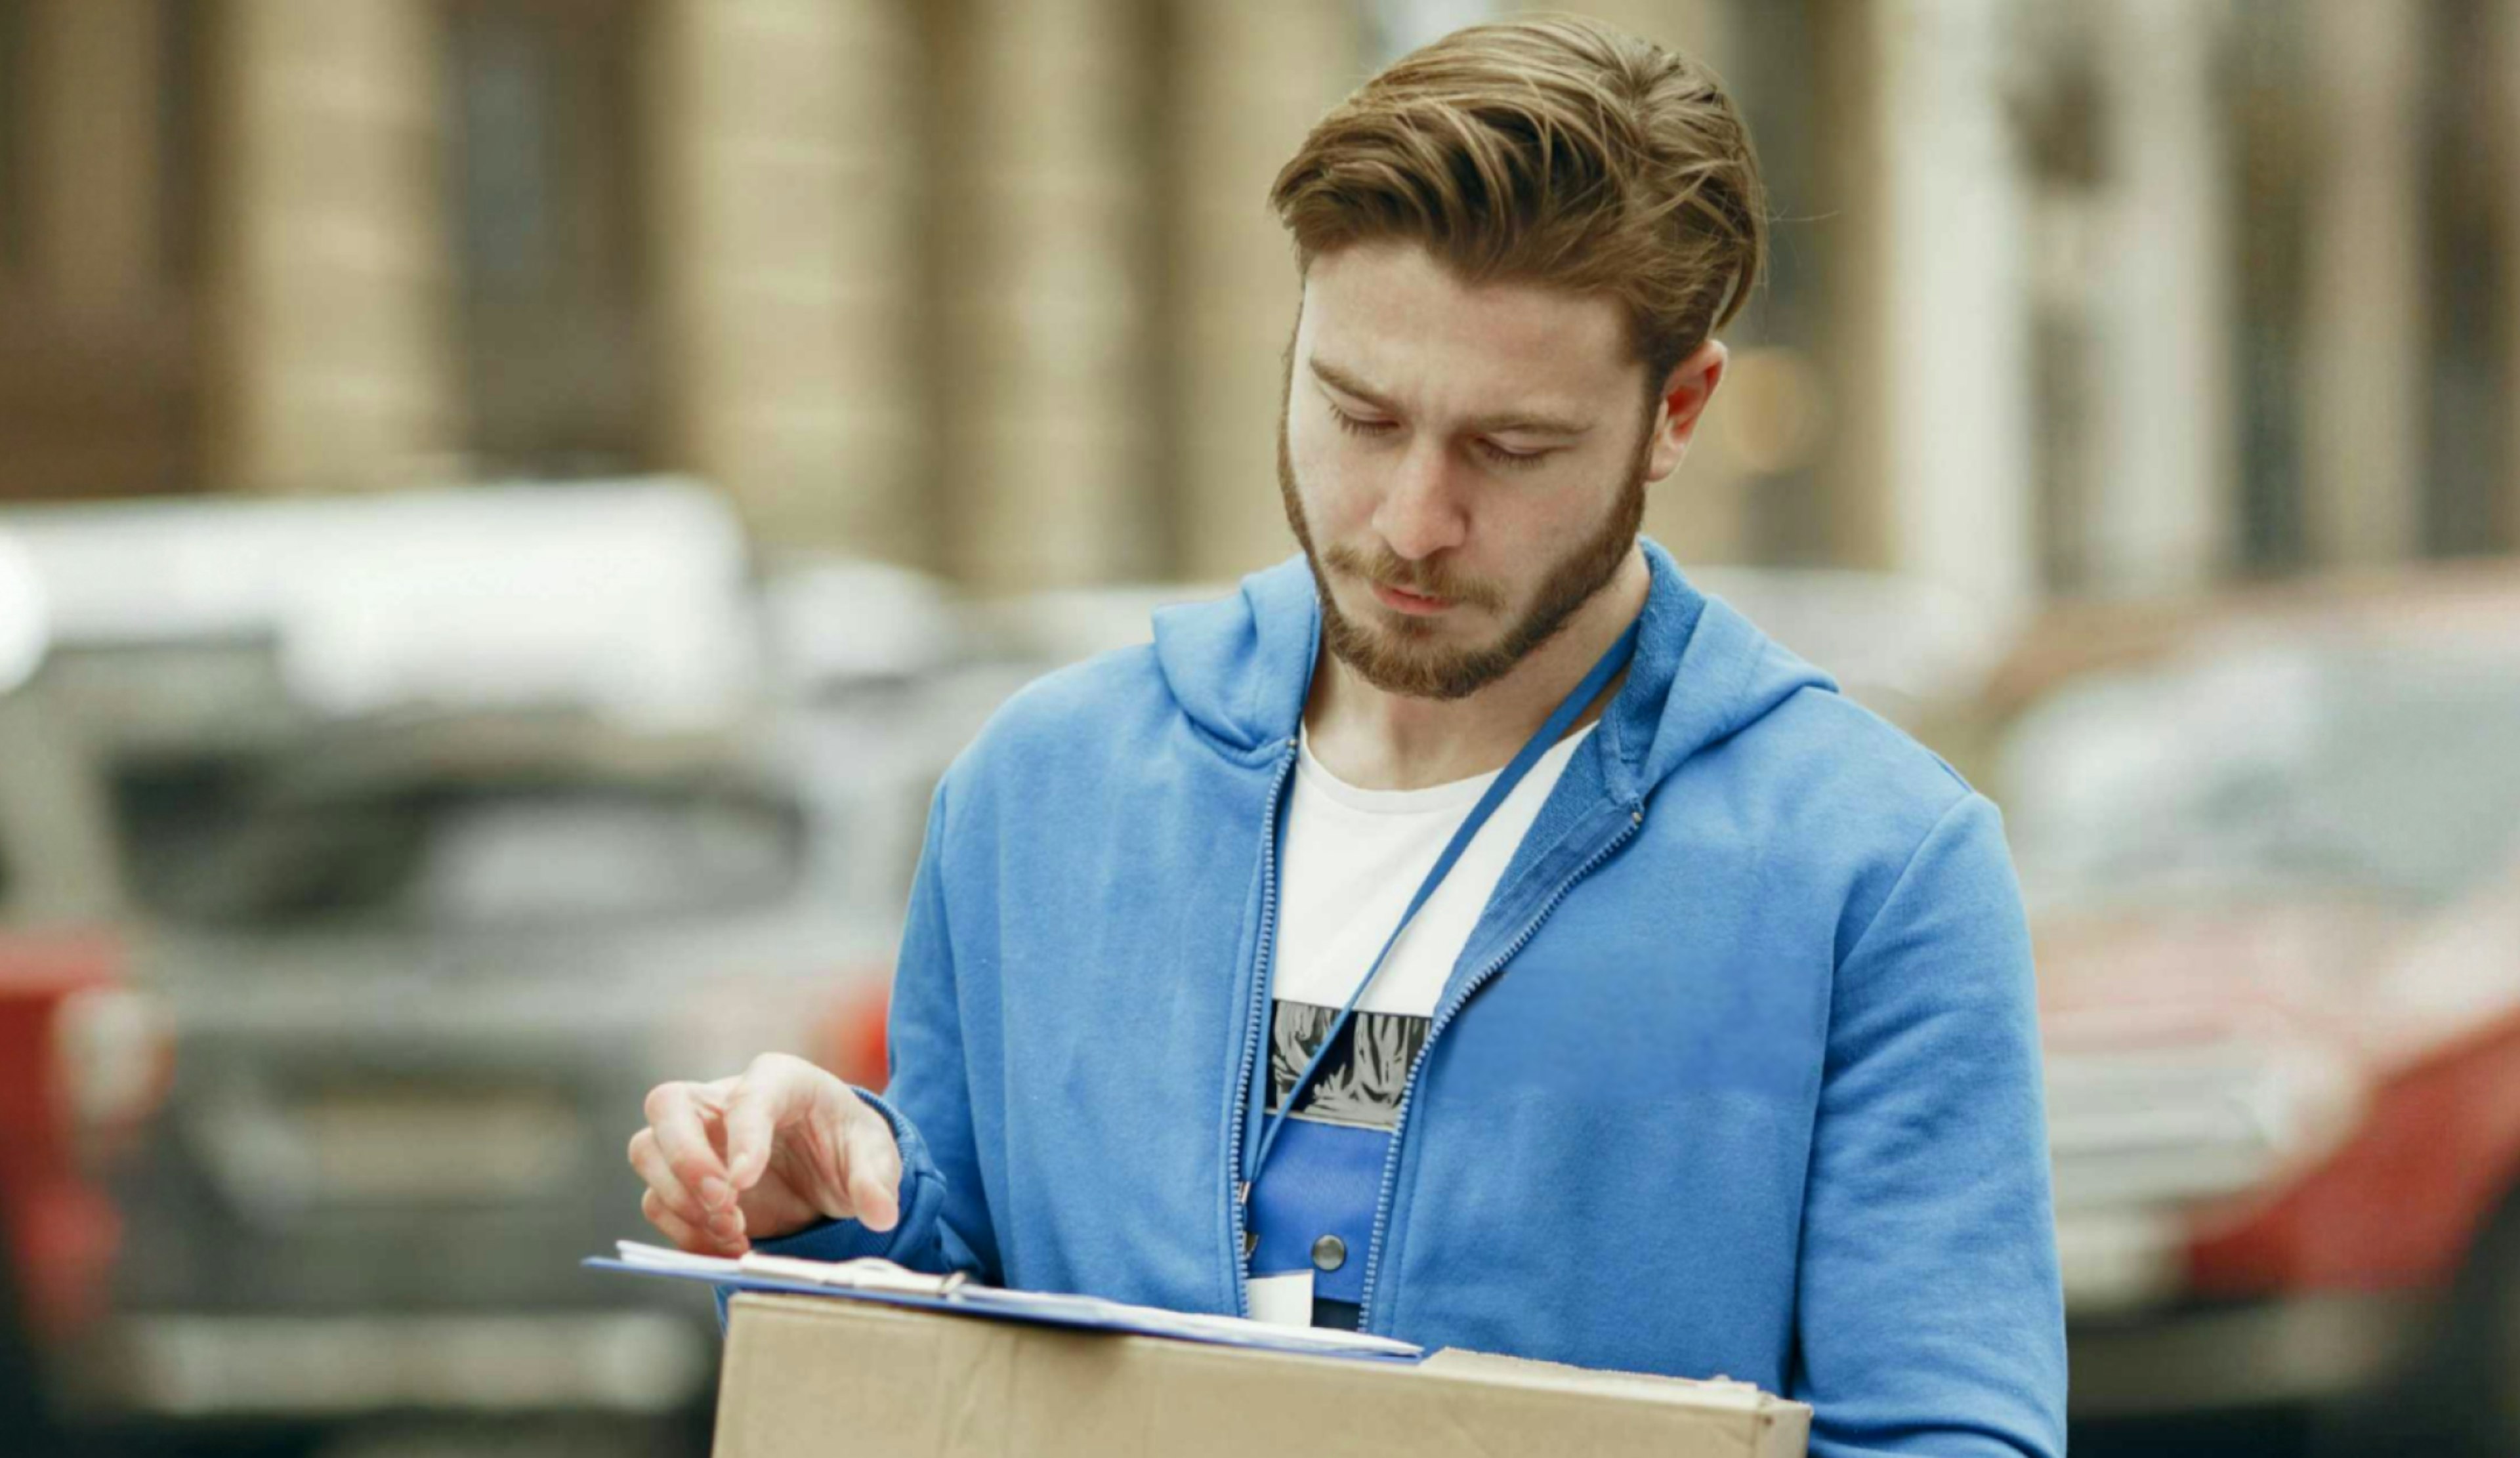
1353	859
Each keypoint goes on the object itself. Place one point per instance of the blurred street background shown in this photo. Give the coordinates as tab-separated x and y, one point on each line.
507	505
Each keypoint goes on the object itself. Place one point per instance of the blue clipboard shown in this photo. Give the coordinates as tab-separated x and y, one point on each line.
1036	1309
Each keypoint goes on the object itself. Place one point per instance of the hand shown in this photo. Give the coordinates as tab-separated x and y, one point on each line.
761	1155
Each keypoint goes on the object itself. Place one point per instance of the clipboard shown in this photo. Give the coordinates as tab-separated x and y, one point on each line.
873	1279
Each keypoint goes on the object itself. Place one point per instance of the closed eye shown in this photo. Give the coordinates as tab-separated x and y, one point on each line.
1368	427
1512	460
1374	428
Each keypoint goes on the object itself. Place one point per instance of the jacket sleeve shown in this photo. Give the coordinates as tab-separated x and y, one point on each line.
1930	1316
944	1222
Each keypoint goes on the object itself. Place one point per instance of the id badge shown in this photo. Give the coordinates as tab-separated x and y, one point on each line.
1286	1300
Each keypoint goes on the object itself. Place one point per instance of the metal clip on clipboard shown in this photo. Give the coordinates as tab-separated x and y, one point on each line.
864	1273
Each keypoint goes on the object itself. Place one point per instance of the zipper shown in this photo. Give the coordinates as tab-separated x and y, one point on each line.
1443	1019
1255	1021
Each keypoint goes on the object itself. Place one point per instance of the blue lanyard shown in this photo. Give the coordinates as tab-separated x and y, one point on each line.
1267	1127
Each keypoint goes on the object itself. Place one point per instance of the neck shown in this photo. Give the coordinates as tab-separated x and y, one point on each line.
1379	740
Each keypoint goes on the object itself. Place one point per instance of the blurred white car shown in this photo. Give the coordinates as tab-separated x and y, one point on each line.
444	826
629	599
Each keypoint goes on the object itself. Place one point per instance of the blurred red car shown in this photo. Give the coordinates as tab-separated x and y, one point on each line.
2272	848
62	1227
82	1060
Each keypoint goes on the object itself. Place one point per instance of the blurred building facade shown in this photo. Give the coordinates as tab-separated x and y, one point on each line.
2069	297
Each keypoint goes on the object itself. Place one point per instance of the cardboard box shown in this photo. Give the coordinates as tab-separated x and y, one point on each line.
825	1377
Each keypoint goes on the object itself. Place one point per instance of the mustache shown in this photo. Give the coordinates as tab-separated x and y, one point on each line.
1388	568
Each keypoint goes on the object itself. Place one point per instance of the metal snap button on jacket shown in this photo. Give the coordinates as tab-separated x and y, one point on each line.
1329	1253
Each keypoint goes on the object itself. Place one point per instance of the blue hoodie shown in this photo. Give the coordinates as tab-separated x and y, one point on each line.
1738	1073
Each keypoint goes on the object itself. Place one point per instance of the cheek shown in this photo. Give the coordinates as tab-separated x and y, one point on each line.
1571	504
1325	480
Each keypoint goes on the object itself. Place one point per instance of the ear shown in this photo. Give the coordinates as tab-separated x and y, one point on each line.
1684	393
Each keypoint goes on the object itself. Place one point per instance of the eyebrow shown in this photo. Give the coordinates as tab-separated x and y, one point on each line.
1513	422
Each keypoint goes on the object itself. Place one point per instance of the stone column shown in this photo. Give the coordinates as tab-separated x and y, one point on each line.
96	338
96	176
790	144
2363	334
1049	389
1248	81
1951	361
2166	477
331	258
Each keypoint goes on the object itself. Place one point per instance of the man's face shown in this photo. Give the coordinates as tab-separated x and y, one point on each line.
1464	466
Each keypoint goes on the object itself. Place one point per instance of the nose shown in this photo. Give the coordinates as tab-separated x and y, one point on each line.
1421	513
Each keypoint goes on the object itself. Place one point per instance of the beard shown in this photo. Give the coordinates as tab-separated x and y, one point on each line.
1403	657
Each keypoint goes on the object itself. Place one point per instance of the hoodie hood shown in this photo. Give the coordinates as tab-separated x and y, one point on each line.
1240	667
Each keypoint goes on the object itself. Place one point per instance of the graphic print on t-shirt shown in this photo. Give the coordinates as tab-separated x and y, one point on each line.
1354	858
1361	1081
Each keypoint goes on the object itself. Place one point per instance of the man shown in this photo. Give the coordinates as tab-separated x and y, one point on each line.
1708	1046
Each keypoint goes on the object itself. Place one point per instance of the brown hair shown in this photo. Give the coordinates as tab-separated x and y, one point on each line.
1550	149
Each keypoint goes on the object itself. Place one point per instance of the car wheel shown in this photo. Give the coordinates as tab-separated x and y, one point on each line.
2477	1374
23	1407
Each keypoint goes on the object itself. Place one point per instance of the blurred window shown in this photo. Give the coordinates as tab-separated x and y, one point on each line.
236	845
545	176
2466	272
2271	101
183	132
2277	771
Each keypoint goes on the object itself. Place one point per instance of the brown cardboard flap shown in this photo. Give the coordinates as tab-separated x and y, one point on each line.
805	1375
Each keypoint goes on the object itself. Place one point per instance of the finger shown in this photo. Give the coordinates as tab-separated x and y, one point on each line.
774	1092
681	1232
724	1223
675	1111
649	1161
872	1167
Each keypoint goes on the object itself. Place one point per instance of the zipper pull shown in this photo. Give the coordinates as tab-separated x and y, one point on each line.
1242	1194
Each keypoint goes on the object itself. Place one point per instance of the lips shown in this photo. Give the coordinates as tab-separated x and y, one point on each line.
1411	603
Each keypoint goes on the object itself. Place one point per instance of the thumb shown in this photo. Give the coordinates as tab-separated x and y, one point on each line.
874	1170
